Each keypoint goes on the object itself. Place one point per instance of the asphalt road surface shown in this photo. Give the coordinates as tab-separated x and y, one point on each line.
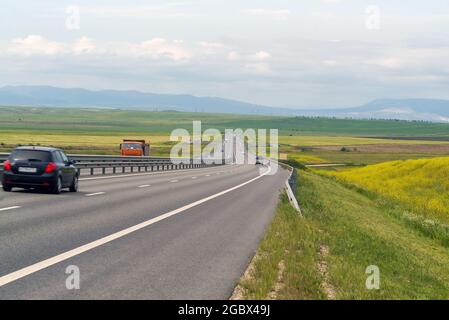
167	235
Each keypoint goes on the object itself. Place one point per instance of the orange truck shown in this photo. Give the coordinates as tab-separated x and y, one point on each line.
137	148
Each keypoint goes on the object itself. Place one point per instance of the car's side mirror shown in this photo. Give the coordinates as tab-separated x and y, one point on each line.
71	162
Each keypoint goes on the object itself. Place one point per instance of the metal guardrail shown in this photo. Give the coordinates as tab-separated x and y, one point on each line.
133	166
99	164
98	158
290	185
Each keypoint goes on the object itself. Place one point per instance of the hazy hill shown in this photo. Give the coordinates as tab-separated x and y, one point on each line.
402	109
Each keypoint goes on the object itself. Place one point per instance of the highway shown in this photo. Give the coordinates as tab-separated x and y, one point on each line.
165	235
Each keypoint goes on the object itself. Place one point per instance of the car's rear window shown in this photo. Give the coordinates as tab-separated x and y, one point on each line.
31	155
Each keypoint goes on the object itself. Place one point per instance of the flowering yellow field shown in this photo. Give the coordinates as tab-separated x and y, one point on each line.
423	183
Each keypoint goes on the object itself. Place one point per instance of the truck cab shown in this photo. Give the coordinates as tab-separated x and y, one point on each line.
136	148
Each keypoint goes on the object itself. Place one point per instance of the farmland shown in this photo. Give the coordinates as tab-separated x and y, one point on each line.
421	184
309	140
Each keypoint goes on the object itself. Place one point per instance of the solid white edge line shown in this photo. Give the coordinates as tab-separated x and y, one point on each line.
144	186
9	208
13	276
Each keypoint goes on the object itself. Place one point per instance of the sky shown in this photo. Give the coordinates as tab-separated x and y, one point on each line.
290	53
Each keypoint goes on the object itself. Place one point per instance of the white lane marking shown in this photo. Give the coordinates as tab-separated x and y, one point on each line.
207	175
13	276
173	181
144	186
94	194
143	174
193	177
9	208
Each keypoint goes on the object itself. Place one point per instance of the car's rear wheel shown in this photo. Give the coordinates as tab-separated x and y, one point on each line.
7	188
74	186
58	186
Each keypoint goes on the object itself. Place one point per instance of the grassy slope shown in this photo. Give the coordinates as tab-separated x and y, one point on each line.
359	229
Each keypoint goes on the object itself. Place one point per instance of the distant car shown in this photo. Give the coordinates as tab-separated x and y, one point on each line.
39	168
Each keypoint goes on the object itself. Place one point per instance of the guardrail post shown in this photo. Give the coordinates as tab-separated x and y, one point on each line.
113	170
91	171
123	169
103	170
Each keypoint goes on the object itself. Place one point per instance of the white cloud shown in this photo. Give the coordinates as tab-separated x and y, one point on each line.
161	48
134	11
332	1
258	68
282	14
211	45
390	63
156	48
233	56
330	63
35	45
262	55
83	45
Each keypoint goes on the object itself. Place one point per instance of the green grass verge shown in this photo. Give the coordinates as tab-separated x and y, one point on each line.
358	229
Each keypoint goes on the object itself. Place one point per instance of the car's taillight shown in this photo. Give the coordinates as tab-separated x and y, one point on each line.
7	165
50	167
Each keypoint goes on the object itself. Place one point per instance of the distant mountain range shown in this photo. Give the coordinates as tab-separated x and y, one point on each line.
401	109
432	110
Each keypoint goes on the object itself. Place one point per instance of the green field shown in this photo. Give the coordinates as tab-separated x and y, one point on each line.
101	130
106	121
325	253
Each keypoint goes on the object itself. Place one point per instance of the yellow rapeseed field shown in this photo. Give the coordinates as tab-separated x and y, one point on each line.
423	184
